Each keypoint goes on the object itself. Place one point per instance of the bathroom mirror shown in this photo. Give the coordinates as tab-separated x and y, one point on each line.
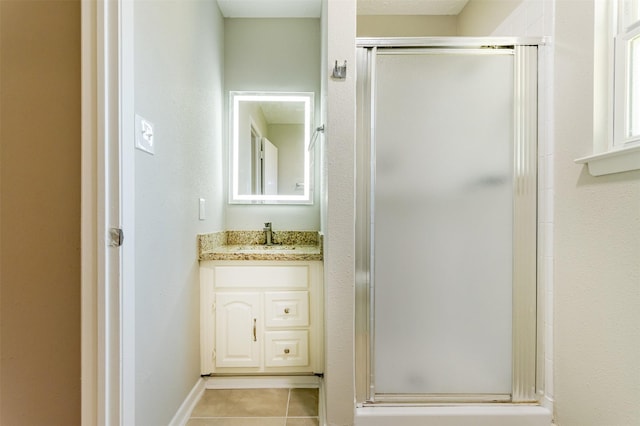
270	134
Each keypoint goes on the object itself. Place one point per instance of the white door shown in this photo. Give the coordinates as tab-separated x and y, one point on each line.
238	326
443	210
108	364
451	224
256	162
269	167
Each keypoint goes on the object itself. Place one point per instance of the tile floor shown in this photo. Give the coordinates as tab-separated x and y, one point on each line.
256	407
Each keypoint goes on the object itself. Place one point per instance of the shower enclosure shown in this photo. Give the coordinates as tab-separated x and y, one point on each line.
446	230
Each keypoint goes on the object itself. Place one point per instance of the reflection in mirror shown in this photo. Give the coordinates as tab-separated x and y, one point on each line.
270	135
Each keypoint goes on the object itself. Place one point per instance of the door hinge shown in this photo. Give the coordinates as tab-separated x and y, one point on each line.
213	307
213	355
116	237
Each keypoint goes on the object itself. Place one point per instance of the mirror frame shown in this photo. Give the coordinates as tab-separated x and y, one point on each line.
235	97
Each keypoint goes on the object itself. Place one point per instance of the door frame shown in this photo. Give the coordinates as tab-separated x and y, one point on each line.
526	386
107	272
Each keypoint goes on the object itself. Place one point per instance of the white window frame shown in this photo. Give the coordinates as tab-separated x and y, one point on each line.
625	33
613	151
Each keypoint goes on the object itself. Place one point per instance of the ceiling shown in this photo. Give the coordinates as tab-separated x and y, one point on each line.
270	8
410	7
312	8
283	112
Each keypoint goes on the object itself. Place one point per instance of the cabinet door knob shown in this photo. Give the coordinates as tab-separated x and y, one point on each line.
287	310
286	351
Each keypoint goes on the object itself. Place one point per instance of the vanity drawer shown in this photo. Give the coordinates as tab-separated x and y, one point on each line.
286	348
261	276
286	308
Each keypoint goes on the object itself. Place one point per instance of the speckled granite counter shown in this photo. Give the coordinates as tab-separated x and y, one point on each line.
249	245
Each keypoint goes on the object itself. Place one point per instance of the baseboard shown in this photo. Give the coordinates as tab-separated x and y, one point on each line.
184	412
262	382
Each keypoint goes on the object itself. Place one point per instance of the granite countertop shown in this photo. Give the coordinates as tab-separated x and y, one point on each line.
250	245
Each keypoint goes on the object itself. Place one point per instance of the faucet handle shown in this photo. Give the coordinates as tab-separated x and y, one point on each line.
267	224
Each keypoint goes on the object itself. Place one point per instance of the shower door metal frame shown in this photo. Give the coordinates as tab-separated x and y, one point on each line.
526	353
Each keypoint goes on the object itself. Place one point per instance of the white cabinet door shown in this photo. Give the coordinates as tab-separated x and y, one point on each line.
238	329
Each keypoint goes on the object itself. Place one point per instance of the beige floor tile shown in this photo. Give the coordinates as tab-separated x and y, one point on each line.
242	403
302	421
238	421
303	403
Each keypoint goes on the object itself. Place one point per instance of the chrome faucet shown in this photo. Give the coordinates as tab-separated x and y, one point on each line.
268	233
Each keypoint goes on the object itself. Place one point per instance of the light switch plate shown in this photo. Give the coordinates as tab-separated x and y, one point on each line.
144	135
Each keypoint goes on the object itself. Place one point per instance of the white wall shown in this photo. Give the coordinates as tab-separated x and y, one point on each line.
287	138
273	55
483	17
406	25
178	87
321	152
597	250
504	18
340	216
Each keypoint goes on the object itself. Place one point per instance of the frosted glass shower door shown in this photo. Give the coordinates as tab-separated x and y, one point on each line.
442	174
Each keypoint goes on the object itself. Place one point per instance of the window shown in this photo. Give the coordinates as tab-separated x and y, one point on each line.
626	114
616	147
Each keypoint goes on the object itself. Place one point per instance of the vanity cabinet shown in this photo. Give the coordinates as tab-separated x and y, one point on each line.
261	317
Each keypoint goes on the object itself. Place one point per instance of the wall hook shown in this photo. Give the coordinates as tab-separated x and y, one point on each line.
340	71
